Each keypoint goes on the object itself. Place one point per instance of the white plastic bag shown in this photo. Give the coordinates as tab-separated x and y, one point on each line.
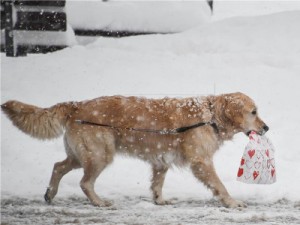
257	164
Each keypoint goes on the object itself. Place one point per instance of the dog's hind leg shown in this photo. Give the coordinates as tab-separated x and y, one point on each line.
158	177
92	169
95	155
59	170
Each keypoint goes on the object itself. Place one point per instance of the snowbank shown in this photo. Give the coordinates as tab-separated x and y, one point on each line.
139	16
225	9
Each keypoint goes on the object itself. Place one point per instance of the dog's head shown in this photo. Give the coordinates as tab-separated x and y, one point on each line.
240	112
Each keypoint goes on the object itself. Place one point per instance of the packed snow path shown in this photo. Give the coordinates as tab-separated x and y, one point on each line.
141	210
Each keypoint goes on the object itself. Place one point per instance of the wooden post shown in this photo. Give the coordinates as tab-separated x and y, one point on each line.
9	34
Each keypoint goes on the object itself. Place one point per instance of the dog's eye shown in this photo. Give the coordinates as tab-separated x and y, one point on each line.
254	112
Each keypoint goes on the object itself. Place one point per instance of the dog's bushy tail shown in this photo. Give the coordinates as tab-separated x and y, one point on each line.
37	122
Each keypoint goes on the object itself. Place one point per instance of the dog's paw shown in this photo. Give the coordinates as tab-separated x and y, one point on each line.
232	203
163	202
103	203
47	196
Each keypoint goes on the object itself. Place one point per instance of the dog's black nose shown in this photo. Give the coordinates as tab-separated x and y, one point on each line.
266	128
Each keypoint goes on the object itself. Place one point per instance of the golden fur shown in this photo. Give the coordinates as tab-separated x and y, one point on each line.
93	147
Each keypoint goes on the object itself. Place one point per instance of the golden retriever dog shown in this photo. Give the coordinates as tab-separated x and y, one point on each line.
164	132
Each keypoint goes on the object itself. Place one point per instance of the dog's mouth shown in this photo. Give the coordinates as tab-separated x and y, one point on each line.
261	132
250	131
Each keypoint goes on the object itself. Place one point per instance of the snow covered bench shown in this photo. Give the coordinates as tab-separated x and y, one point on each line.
33	26
41	26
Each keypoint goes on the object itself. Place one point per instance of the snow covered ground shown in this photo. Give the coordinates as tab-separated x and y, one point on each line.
258	55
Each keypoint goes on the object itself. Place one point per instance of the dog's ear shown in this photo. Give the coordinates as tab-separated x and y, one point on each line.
234	107
228	106
231	106
220	106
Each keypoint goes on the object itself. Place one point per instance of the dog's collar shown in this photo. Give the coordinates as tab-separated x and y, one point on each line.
215	126
211	110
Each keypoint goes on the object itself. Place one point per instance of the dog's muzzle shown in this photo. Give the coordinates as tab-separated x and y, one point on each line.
261	132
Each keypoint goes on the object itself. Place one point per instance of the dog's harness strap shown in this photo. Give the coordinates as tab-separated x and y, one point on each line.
164	131
184	129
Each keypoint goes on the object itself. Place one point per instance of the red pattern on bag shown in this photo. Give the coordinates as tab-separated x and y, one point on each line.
257	165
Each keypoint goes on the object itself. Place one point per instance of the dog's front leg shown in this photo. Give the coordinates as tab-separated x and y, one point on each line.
204	170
